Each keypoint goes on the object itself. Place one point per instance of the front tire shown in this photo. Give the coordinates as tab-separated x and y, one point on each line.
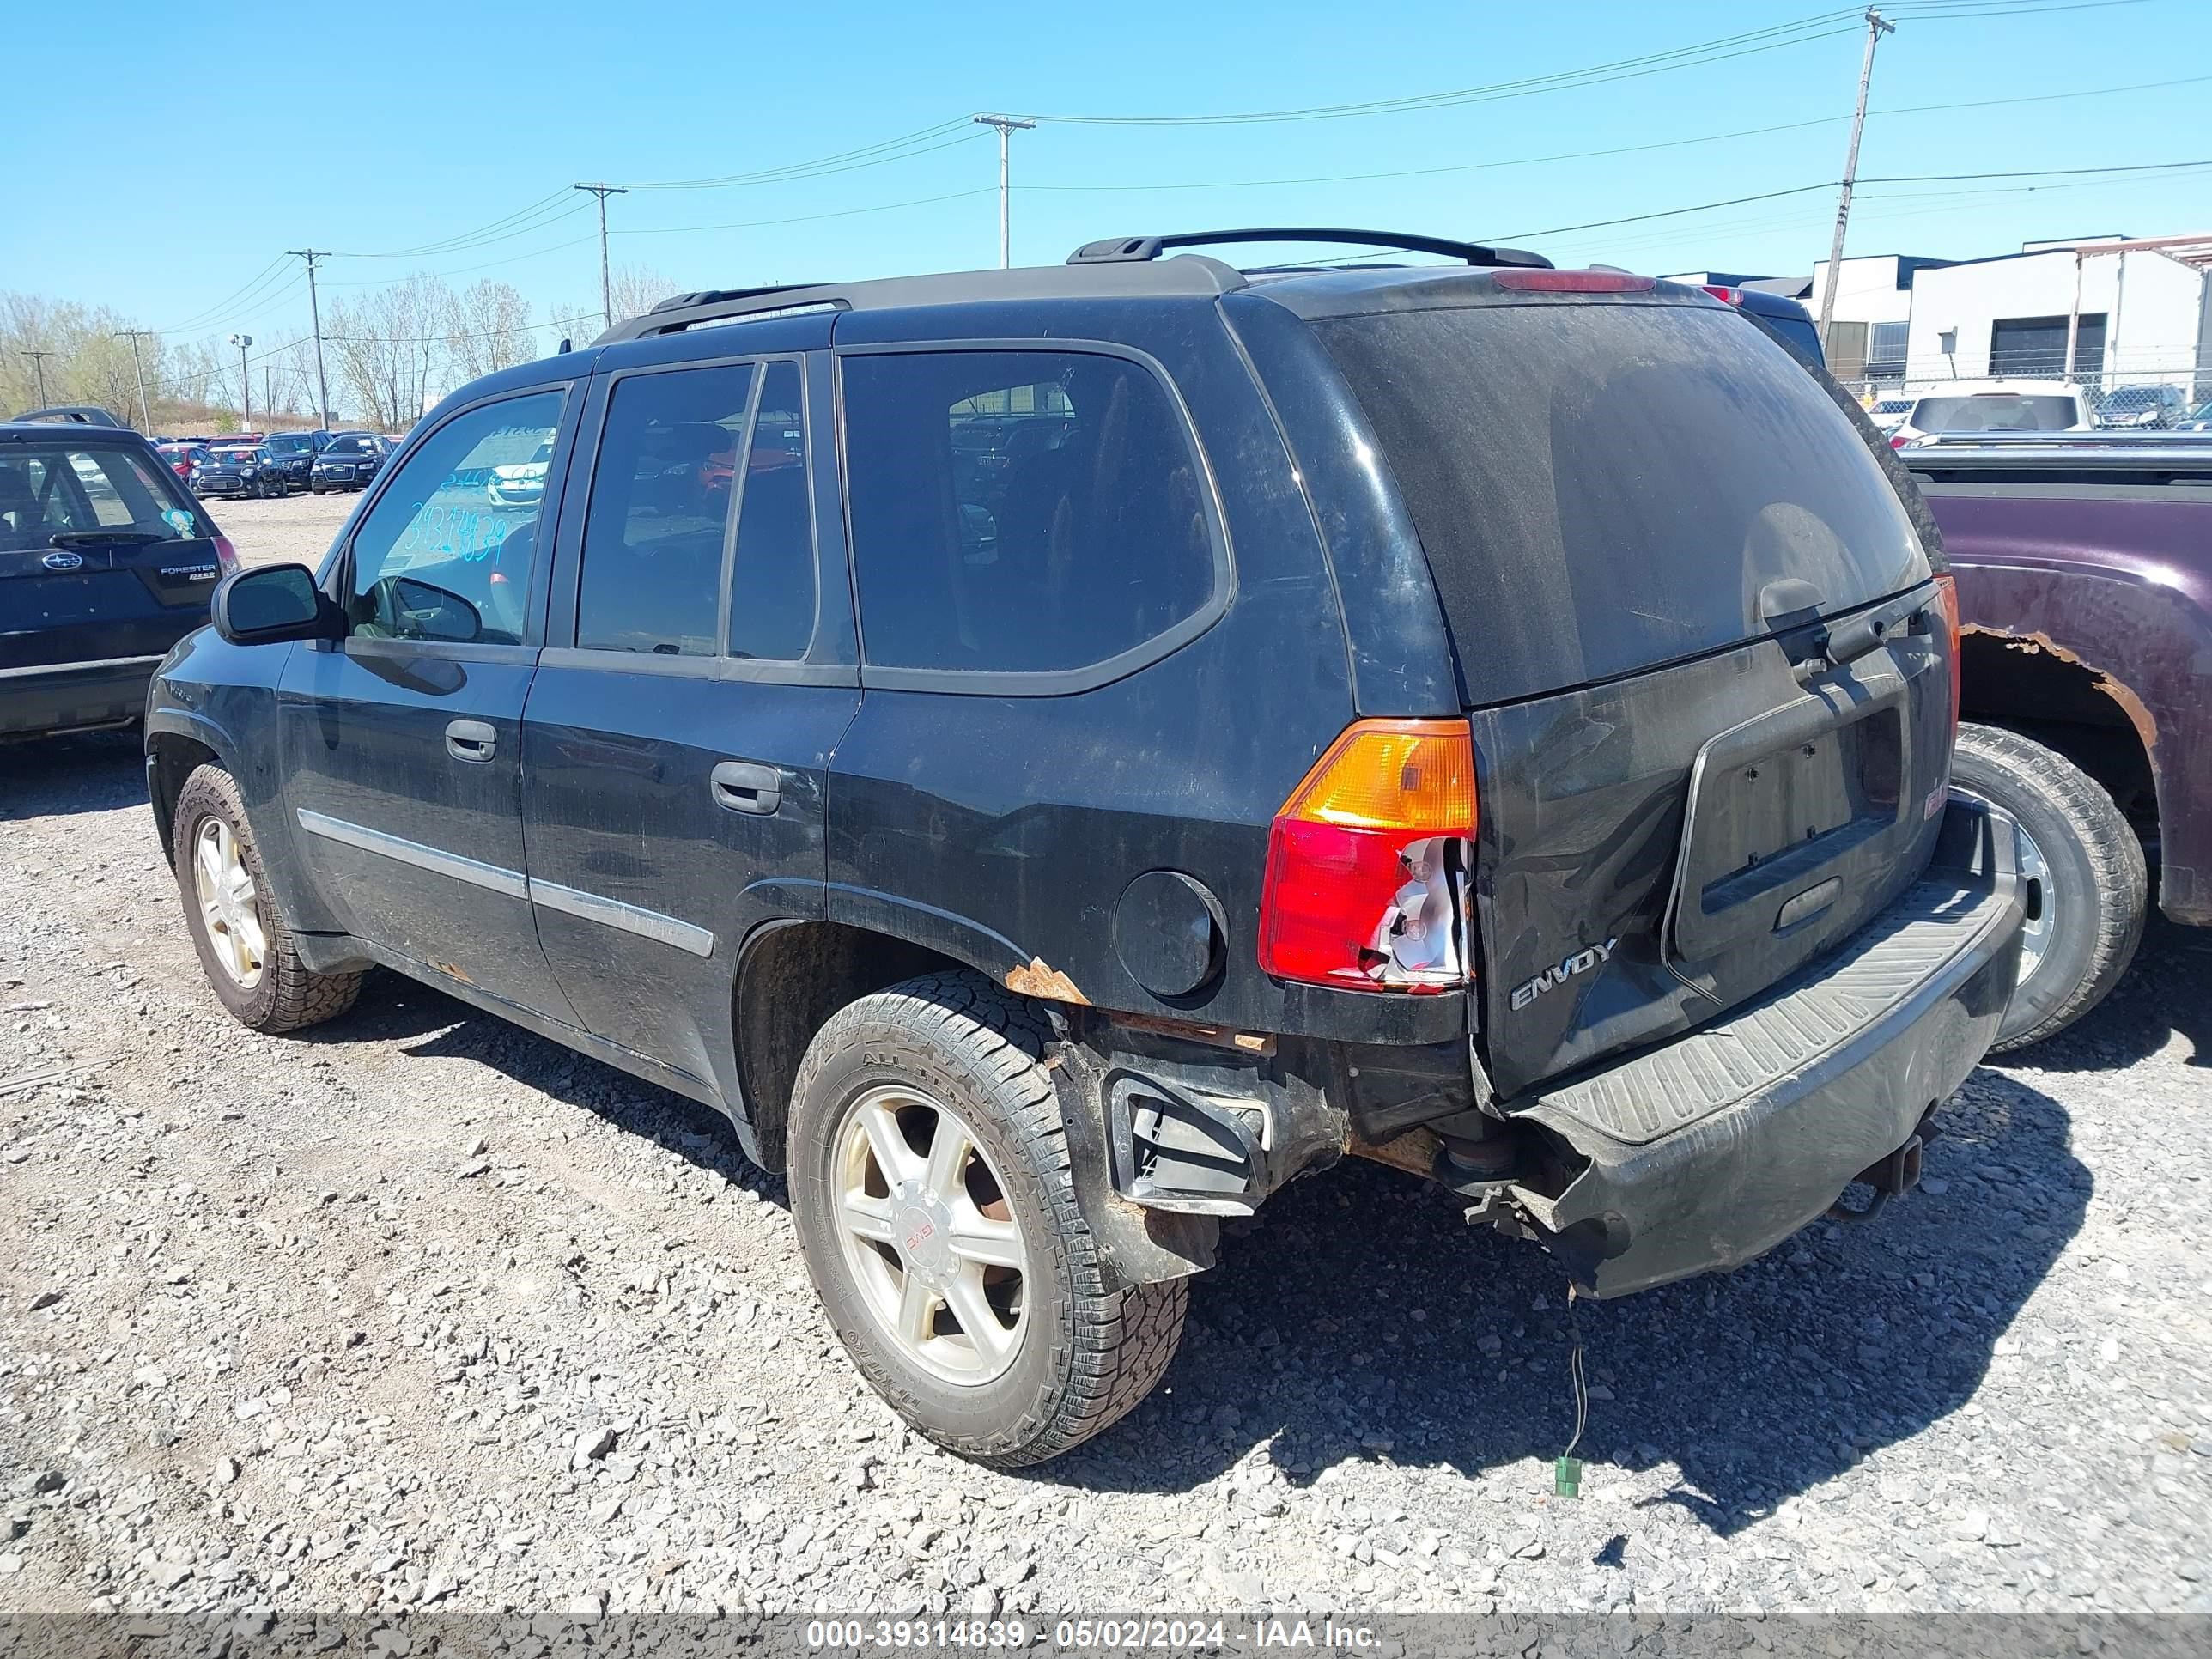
2089	890
245	948
932	1185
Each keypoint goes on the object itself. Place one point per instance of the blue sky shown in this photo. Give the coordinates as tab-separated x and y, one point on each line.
180	152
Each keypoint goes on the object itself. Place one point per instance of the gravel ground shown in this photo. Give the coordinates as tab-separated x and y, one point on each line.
296	530
417	1309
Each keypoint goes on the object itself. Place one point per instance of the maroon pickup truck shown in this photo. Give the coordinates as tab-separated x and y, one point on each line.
2084	571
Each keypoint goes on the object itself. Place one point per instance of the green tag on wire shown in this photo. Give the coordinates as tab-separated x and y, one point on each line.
1567	1477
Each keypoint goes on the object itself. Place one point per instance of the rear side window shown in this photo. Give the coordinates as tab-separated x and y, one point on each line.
772	577
659	517
1020	511
87	490
1601	489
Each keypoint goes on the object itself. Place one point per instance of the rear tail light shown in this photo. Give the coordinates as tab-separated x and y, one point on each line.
1574	281
1947	596
1370	861
1729	295
226	556
1897	440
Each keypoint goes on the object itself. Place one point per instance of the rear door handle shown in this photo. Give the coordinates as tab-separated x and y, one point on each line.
747	787
471	740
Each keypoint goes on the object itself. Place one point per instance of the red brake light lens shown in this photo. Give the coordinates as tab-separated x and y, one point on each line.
1574	281
1370	860
226	556
1730	296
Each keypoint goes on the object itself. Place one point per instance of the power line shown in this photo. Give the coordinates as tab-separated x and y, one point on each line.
884	151
1817	27
1599	155
1830	184
805	218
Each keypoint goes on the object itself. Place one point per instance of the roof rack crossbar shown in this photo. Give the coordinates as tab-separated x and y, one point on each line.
1116	249
681	310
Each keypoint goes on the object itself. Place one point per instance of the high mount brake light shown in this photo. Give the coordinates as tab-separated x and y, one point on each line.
1370	860
1574	281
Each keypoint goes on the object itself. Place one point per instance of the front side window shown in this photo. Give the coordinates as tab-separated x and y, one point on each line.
447	552
659	516
1019	511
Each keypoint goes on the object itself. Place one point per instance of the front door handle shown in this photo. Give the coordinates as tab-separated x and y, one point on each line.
471	740
747	787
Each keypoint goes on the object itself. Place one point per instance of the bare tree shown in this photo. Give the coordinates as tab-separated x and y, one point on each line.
387	346
487	328
635	289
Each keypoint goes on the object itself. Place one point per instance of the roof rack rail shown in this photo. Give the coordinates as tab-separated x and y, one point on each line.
1116	249
681	310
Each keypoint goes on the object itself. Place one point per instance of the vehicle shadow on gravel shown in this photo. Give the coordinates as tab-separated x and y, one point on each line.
2168	990
50	777
1360	1319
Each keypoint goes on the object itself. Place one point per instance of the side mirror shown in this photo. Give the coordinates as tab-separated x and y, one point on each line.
431	613
272	605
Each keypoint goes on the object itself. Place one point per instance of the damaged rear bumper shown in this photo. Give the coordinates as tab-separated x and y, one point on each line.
1709	1151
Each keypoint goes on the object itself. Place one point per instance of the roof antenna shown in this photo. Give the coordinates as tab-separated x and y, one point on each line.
561	351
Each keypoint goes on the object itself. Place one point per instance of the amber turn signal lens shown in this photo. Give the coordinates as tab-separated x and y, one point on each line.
1392	775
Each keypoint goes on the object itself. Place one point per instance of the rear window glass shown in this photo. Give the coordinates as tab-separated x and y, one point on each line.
1019	511
1601	489
80	490
1995	412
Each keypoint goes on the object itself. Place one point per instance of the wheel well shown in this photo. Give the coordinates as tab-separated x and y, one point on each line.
2059	702
175	759
791	981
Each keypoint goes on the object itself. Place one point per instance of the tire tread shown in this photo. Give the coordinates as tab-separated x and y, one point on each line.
1124	1340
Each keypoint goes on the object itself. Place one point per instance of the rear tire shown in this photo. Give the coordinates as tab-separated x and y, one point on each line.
2087	903
245	948
1057	1356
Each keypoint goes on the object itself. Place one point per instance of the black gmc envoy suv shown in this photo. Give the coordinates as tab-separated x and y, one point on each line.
1056	754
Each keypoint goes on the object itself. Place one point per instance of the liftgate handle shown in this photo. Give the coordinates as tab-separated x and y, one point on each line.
747	787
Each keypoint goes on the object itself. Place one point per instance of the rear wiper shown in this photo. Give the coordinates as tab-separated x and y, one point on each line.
74	538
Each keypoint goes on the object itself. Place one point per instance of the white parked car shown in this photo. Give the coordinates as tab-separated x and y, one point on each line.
1964	406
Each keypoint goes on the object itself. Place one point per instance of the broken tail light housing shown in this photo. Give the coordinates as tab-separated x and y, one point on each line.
1370	862
226	556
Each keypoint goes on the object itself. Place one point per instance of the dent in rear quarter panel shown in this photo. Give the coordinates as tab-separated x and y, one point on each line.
1003	829
224	696
2123	587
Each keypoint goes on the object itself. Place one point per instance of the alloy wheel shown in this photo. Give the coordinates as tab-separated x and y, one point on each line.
224	887
929	1235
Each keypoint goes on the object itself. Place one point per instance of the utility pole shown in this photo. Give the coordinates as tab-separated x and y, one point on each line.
1877	26
244	383
145	409
315	310
39	361
606	283
1007	125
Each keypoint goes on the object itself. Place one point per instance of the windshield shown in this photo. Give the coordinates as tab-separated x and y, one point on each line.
88	491
294	444
349	446
1996	411
1601	489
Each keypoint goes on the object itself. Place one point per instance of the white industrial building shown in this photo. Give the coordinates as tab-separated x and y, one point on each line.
2106	311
